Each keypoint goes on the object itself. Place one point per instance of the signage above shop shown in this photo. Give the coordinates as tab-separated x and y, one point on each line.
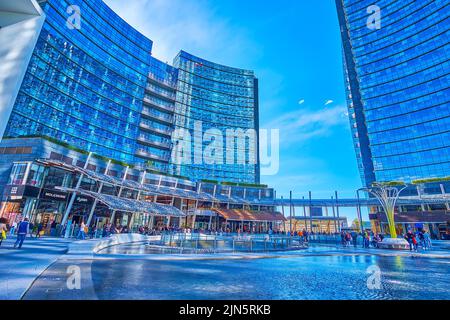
53	195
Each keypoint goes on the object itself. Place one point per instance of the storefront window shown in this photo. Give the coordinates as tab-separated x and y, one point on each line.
57	178
18	172
36	175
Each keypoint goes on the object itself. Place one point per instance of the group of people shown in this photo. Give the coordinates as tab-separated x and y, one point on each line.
369	238
419	239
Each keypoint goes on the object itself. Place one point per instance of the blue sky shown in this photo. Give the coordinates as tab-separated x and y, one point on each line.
295	49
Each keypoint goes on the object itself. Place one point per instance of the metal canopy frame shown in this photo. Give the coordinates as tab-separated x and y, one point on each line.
155	190
129	205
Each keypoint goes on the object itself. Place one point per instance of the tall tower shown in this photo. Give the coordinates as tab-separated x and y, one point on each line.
396	58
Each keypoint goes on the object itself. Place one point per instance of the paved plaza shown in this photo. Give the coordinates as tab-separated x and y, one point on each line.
20	267
39	269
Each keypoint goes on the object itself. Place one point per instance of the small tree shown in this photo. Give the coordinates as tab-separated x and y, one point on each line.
388	194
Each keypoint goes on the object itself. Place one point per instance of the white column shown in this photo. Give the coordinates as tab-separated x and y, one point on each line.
130	224
120	193
193	221
447	205
100	188
74	194
420	197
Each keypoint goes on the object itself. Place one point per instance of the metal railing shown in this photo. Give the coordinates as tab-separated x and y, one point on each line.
201	243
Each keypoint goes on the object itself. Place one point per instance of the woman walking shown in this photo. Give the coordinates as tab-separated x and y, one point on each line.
82	231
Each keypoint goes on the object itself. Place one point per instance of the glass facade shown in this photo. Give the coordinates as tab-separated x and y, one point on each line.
85	87
214	98
398	88
156	126
97	88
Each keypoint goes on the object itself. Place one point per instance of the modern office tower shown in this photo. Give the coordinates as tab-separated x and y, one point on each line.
87	123
156	125
84	86
86	79
218	104
398	88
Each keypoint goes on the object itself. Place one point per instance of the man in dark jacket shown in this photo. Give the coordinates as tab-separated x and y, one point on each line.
22	230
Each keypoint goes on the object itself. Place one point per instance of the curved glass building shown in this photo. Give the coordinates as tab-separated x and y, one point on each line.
92	84
85	86
398	87
219	104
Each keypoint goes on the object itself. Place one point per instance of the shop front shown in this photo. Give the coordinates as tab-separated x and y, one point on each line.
434	222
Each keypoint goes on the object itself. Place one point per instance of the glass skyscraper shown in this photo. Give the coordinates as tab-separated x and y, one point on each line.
398	87
222	99
97	88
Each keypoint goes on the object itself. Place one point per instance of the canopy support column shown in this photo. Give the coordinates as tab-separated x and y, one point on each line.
120	193
100	188
130	223
74	194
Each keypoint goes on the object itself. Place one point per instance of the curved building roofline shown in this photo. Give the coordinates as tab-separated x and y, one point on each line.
214	65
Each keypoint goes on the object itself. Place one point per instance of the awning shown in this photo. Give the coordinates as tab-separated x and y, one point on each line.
130	205
415	217
247	215
133	185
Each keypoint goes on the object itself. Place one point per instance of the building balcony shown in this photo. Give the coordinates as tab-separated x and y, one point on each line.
160	94
152	115
158	106
147	155
143	140
155	130
163	83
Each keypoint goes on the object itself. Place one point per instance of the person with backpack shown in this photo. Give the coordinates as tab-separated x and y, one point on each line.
22	230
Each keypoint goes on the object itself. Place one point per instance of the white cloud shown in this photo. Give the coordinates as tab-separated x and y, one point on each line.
305	124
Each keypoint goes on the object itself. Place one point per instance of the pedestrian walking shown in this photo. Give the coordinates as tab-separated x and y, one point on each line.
82	232
13	228
22	230
427	241
39	231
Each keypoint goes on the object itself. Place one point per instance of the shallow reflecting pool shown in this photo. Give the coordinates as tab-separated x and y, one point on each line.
303	277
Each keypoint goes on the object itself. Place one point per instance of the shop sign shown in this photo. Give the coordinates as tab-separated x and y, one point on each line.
53	195
83	200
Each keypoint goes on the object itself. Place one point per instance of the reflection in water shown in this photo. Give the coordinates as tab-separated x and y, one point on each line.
315	277
292	277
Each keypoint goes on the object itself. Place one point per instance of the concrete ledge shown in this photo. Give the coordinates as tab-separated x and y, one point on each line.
91	247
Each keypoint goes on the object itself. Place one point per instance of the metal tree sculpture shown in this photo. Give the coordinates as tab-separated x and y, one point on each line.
387	195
